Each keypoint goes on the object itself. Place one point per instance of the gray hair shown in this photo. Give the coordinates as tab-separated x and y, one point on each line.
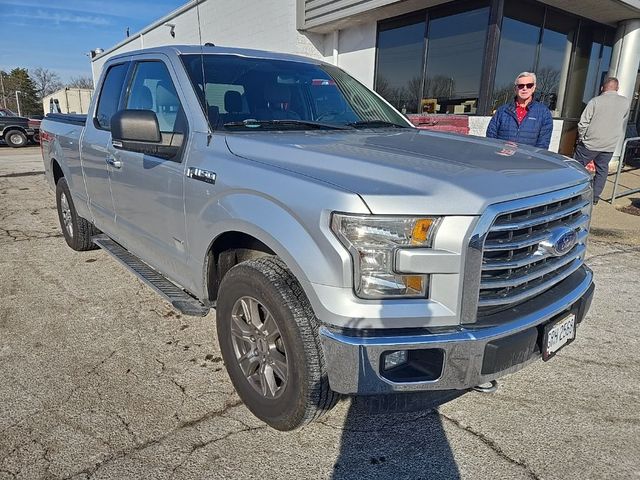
610	83
526	74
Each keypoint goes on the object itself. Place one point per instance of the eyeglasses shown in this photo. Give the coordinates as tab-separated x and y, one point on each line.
522	85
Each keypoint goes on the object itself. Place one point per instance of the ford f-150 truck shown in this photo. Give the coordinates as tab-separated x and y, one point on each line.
344	250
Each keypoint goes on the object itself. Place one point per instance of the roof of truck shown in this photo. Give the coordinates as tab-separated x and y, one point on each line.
209	50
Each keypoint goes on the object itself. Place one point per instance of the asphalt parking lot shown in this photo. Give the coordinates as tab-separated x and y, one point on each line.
99	378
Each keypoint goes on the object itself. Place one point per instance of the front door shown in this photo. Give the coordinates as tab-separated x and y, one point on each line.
97	149
148	190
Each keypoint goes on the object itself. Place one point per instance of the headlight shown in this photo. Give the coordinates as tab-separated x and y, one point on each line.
372	242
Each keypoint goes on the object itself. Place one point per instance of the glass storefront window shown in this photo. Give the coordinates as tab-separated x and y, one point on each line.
456	42
554	59
603	68
569	55
590	65
399	64
518	47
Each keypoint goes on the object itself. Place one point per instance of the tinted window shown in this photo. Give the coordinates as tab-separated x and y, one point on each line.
243	93
558	38
518	47
152	89
454	59
590	65
400	62
110	95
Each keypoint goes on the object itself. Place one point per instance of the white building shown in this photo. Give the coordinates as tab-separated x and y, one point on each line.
68	100
433	56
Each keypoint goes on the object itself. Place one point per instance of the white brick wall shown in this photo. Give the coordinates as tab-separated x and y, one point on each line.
259	24
357	51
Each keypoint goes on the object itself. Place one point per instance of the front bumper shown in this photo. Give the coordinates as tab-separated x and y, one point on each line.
469	355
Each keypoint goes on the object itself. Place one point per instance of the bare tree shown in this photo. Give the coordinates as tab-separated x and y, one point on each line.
439	86
45	81
502	95
394	95
81	82
547	88
414	91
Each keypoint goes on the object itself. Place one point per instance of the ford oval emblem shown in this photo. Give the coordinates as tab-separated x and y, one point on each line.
560	241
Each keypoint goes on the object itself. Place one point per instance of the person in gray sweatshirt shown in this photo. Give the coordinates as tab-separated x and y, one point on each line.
601	125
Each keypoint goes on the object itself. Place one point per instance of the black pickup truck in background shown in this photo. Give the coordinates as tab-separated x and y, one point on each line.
18	131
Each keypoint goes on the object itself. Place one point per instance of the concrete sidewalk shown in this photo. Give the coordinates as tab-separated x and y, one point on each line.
609	222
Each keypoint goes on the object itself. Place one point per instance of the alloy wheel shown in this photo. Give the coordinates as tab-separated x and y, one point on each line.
259	347
66	214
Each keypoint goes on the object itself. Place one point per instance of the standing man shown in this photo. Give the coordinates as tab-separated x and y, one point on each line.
601	126
524	120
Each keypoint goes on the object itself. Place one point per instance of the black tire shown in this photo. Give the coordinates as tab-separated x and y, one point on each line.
15	138
77	231
305	395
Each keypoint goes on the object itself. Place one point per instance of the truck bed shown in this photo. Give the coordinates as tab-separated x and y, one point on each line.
72	118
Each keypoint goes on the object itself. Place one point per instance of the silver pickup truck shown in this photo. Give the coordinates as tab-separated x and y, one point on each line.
345	251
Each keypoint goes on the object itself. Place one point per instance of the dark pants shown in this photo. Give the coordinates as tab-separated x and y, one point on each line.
601	161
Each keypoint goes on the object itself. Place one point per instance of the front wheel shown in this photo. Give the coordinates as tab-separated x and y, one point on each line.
269	340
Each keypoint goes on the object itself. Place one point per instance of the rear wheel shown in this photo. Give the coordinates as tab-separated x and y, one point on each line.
77	231
268	336
15	138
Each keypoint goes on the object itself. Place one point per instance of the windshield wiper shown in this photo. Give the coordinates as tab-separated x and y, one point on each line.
374	124
253	123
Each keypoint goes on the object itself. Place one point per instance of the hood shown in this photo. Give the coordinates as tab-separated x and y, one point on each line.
413	171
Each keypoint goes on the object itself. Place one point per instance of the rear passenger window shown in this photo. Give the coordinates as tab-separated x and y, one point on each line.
110	95
152	89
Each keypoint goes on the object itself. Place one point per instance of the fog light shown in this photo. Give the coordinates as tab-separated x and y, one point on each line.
393	359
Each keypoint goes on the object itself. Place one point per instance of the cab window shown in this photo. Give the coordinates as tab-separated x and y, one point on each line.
152	89
110	95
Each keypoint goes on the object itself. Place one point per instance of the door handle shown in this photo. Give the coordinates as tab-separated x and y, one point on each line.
113	162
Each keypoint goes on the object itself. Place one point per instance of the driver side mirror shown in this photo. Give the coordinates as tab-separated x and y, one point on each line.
139	131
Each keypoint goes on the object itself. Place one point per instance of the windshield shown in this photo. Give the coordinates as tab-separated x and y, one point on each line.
243	93
7	113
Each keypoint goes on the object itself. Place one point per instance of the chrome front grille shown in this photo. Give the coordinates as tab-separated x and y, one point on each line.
519	258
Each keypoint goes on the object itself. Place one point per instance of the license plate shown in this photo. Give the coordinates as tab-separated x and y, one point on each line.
558	334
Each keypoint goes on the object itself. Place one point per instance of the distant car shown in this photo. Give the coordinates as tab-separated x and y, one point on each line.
18	131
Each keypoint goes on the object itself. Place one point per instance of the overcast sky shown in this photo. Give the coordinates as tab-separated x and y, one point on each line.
56	34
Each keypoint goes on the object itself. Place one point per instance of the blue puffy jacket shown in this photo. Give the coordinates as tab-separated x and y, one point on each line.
535	129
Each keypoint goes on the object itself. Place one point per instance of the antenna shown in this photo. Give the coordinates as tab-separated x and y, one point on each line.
204	83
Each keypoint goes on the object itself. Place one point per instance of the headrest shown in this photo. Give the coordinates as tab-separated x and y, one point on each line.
276	93
232	101
166	95
143	100
213	112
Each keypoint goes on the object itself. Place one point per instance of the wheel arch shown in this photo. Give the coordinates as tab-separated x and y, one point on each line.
268	227
56	171
8	128
227	250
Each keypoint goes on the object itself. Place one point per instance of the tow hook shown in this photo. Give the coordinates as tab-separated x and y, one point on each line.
490	387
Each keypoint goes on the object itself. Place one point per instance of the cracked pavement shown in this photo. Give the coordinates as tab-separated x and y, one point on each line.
101	379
